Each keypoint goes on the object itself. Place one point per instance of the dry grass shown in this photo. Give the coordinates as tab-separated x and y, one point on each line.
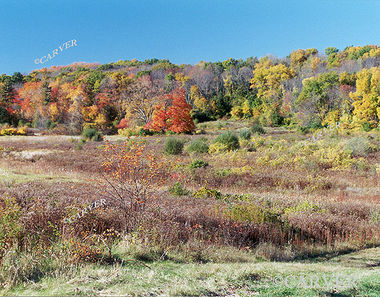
266	201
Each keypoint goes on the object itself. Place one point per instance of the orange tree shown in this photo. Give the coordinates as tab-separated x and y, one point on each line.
130	174
173	114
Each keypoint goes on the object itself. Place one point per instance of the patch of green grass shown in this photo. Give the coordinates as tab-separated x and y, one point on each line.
167	278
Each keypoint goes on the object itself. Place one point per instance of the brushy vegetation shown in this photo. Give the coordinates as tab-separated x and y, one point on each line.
199	145
173	146
198	164
272	197
257	129
92	134
228	140
245	134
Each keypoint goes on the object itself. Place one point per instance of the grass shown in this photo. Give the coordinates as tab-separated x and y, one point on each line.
167	278
10	176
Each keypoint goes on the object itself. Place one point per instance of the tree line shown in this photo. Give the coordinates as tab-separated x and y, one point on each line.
306	88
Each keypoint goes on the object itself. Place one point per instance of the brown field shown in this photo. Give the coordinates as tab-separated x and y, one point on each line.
273	199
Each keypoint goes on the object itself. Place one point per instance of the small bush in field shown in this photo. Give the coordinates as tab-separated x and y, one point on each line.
92	134
245	134
257	129
217	148
13	131
358	146
84	249
147	132
303	207
131	173
198	164
198	146
247	145
173	146
253	213
205	192
178	190
366	127
129	132
304	130
79	146
229	140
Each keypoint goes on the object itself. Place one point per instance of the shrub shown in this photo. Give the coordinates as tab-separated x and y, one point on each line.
13	131
201	116
332	157
257	129
229	140
253	213
245	134
129	132
247	145
92	134
173	146
198	146
367	127
147	132
276	119
304	130
358	146
178	190
200	131
217	148
79	146
205	192
4	115
198	164
130	173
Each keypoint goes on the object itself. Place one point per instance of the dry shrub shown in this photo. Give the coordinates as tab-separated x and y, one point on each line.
131	173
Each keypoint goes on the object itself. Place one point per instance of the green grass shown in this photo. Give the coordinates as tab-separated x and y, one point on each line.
252	278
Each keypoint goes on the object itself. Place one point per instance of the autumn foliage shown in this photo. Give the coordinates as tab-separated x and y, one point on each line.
130	171
307	88
176	117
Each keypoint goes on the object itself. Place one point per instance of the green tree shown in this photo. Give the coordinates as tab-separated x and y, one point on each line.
317	96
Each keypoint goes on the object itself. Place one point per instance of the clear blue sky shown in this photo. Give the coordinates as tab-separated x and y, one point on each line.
182	31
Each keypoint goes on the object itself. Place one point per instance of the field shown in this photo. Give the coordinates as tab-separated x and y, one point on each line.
266	213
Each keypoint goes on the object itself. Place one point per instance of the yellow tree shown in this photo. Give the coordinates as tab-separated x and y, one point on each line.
180	77
197	99
267	78
367	97
267	81
299	57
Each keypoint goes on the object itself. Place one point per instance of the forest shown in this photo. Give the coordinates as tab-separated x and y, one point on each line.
307	89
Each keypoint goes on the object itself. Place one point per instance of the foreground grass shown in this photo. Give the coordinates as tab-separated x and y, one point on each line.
252	278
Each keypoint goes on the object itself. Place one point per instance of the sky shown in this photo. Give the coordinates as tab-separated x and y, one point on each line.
185	32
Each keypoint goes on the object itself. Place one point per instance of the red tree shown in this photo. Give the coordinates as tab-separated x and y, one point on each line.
179	113
176	117
159	119
123	124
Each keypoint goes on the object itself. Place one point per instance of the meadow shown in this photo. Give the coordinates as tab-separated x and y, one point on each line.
230	210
